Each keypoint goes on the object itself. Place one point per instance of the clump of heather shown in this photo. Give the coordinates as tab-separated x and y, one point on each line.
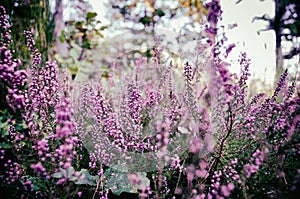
122	123
49	118
11	77
38	140
156	131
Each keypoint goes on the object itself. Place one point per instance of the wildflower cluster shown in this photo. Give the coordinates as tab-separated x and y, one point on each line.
10	75
213	16
159	131
44	130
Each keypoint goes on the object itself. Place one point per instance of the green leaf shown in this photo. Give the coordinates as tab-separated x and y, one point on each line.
103	27
3	125
4	145
119	182
86	44
98	33
4	132
121	168
91	15
145	20
19	127
86	178
57	175
69	173
62	37
79	25
196	4
159	12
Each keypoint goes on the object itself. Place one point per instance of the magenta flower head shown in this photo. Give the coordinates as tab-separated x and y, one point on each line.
5	38
38	168
215	12
9	73
213	16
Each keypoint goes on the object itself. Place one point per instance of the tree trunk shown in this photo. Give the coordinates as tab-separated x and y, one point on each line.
279	11
61	48
279	60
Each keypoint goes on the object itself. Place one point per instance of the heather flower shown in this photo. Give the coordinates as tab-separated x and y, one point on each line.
230	186
64	119
163	129
201	173
291	90
134	103
188	73
65	131
42	93
38	168
13	78
153	98
130	117
224	190
175	163
142	61
244	65
229	49
256	161
5	37
157	51
196	145
134	179
36	56
281	84
17	137
213	16
225	78
104	134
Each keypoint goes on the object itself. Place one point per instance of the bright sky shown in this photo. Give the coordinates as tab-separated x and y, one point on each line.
259	47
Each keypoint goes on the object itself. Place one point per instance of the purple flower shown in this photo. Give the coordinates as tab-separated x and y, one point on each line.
214	13
281	84
64	119
224	190
188	73
12	78
38	168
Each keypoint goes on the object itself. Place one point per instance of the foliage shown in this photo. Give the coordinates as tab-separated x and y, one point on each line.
82	37
150	12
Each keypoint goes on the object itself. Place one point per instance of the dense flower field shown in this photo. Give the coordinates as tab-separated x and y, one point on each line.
159	131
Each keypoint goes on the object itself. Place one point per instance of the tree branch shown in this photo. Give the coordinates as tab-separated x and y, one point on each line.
294	51
265	17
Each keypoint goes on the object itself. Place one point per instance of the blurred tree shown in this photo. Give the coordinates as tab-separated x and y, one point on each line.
77	33
81	38
67	12
60	46
195	8
152	12
286	24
